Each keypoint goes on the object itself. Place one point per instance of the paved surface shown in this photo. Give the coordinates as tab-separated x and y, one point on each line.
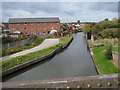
46	43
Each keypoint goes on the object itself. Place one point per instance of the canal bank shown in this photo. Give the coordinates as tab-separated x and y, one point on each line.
39	59
74	61
102	64
91	54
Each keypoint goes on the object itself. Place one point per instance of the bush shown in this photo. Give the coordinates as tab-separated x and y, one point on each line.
9	39
65	33
108	53
110	33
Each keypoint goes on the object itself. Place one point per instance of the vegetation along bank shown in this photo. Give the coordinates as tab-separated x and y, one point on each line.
103	42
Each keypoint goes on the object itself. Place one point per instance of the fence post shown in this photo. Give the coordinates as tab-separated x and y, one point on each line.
22	42
8	45
15	43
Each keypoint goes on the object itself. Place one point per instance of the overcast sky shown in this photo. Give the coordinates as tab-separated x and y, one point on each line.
66	11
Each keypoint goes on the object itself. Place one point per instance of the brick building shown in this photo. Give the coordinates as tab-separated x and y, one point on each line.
34	25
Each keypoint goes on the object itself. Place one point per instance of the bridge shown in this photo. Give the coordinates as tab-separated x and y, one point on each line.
97	81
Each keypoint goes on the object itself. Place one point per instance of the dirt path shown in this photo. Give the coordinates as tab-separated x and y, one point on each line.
45	44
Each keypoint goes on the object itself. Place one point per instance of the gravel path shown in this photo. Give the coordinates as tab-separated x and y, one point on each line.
45	44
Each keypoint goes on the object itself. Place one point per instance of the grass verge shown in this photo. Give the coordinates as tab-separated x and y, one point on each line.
103	65
22	59
116	49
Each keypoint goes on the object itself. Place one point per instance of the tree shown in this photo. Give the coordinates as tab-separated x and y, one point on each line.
106	19
78	21
86	28
110	33
108	52
96	29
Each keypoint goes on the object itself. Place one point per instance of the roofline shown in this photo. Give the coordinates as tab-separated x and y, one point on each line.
35	18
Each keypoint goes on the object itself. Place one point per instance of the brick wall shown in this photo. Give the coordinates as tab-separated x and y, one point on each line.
34	28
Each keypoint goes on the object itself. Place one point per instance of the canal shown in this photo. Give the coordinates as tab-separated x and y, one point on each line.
72	62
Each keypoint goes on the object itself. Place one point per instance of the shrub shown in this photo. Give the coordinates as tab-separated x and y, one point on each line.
108	53
110	33
9	39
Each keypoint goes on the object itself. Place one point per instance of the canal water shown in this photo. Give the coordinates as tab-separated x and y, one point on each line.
74	61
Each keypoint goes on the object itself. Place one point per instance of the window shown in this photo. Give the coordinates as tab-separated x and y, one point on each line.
25	23
44	33
26	33
38	32
11	28
32	33
25	28
44	27
38	27
52	27
31	23
45	23
38	22
31	27
18	28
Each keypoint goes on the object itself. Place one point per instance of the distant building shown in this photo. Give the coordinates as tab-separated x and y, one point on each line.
34	25
1	29
2	26
6	27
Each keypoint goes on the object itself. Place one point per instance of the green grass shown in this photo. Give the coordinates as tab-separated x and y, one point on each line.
22	59
113	42
116	49
103	65
65	39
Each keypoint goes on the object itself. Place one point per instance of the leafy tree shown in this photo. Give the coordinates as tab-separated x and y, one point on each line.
110	33
108	53
96	29
105	28
106	19
78	21
9	39
86	28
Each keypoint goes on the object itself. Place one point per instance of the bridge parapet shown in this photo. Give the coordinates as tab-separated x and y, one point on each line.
97	81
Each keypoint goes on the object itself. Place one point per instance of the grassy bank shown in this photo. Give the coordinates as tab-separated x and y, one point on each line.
116	49
22	59
103	65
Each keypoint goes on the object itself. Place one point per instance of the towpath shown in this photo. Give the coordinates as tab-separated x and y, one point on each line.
45	44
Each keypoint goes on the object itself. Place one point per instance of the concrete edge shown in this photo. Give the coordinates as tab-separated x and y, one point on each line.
28	63
90	51
97	81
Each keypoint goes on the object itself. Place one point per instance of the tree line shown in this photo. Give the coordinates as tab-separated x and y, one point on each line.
104	29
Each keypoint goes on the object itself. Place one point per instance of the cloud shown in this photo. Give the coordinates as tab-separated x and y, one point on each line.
67	11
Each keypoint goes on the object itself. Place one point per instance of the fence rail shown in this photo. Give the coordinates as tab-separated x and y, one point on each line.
22	42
